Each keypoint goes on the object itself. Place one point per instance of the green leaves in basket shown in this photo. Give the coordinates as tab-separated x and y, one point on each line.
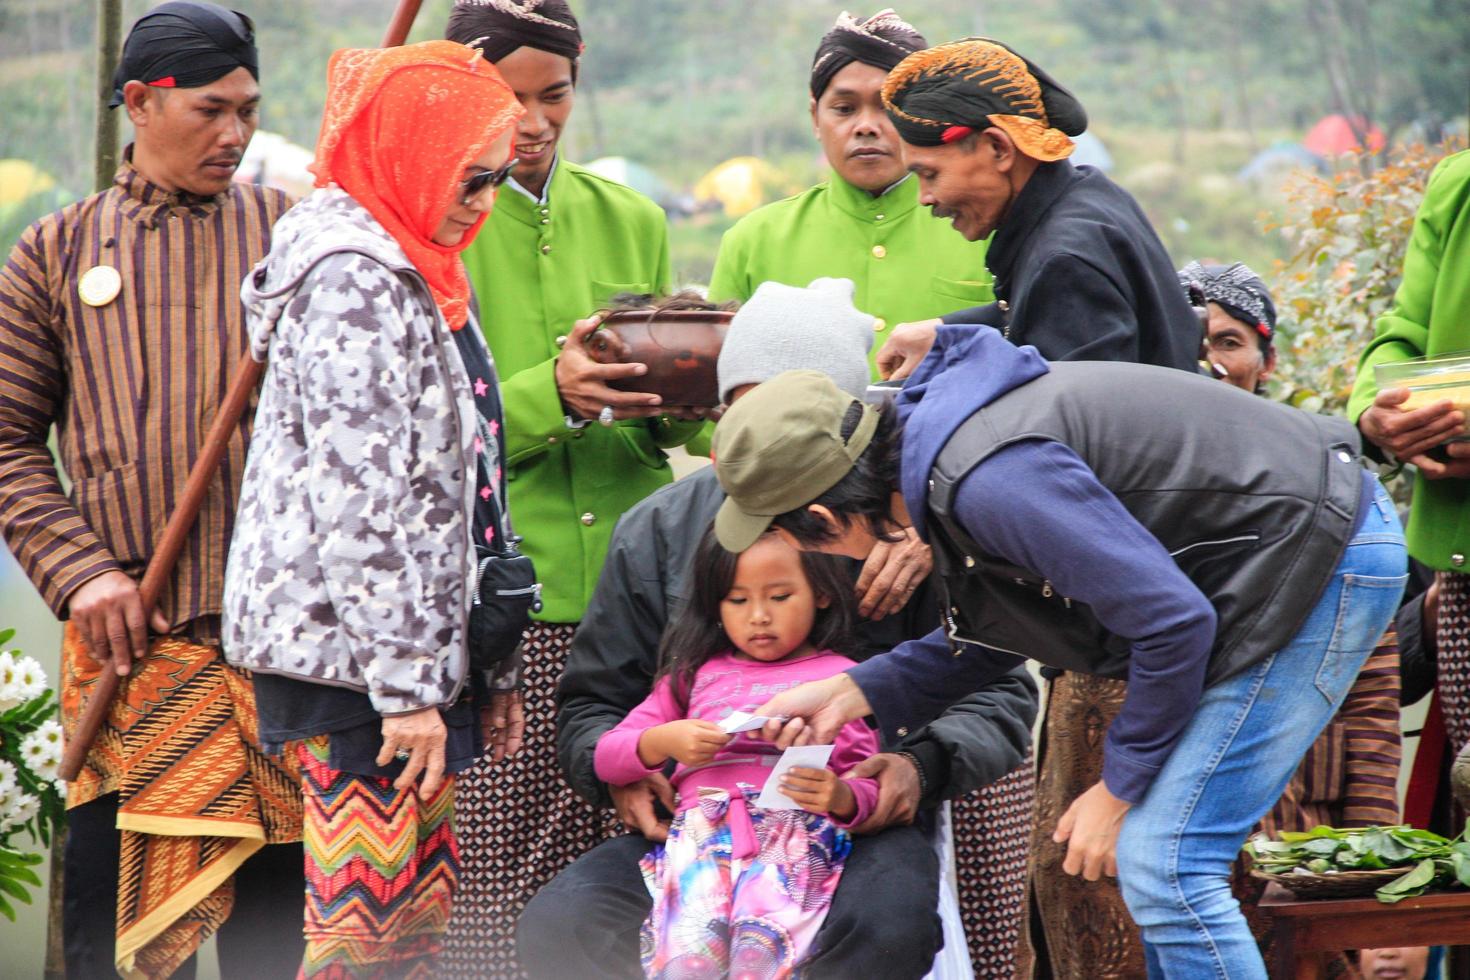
1406	886
1432	861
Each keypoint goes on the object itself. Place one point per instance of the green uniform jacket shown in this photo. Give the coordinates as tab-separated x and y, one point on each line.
906	264
536	269
1430	315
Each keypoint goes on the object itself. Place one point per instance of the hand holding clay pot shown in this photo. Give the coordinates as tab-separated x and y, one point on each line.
679	349
585	384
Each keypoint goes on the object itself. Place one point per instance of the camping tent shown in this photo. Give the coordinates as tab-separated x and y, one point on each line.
1280	160
740	185
636	176
20	179
1334	135
1090	152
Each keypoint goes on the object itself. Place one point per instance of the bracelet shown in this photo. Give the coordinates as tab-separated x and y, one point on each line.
918	768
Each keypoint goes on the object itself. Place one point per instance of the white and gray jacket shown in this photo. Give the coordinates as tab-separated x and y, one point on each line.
352	562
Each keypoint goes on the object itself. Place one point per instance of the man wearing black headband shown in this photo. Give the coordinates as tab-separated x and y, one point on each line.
120	325
864	222
562	242
1240	322
1079	272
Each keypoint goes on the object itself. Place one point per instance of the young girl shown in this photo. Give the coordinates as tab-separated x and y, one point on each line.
738	890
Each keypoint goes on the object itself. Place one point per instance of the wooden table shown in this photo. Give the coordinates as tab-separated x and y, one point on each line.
1306	930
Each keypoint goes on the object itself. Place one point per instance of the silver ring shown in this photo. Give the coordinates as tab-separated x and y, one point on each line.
403	755
606	415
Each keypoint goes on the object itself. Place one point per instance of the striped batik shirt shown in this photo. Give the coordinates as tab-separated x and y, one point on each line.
1349	777
131	386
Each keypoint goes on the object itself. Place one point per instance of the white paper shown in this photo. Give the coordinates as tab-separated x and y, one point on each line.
805	756
739	721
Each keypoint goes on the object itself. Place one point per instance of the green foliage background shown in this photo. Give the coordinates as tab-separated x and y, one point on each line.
1183	92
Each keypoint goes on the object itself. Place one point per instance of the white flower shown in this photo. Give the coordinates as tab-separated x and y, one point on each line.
9	688
49	732
41	750
30	678
16	807
22	808
7	779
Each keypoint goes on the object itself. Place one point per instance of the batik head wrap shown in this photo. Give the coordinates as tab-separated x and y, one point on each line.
1238	291
185	44
400	127
948	92
882	40
498	27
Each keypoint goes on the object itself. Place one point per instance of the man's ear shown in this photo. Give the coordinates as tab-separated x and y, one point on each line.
829	519
1002	149
811	102
1269	363
135	99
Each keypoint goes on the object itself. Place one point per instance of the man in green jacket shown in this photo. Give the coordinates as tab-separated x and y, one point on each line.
864	223
564	243
1430	316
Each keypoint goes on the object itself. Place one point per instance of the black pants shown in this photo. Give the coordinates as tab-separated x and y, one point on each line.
261	939
884	917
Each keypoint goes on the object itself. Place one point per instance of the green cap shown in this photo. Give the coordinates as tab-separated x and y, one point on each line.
779	448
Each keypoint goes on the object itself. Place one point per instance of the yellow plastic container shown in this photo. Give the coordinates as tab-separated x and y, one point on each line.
1429	380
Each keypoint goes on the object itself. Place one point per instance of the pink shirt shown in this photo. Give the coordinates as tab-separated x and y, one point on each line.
723	685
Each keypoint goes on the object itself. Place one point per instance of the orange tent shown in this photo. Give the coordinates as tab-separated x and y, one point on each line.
1334	135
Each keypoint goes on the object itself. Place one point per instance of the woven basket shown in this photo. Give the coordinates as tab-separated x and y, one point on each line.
1343	884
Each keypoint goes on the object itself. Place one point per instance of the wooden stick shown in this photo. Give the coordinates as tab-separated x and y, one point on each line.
109	43
161	565
402	22
181	522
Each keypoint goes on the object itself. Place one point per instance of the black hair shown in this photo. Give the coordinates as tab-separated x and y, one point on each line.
865	492
684	299
697	633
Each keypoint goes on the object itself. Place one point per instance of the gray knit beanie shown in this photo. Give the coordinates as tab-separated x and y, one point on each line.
787	328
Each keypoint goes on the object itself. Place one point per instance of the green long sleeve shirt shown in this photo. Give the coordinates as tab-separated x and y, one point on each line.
1430	316
905	264
536	269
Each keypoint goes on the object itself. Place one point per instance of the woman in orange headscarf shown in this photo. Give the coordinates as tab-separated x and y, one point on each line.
372	506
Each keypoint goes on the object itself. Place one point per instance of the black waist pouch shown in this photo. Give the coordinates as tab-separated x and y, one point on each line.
505	596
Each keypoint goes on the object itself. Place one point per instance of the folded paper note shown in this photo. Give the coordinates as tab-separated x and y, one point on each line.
805	756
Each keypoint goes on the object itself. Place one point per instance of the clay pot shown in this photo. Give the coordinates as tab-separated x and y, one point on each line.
680	347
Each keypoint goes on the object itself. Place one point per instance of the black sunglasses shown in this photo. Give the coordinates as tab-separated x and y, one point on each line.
475	185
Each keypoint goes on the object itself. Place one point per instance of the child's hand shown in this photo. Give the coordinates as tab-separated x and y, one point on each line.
689	740
820	791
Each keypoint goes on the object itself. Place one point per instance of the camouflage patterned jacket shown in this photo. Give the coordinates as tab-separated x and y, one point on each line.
352	562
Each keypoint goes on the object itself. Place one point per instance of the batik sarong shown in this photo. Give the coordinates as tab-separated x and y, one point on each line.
196	796
519	825
382	867
739	891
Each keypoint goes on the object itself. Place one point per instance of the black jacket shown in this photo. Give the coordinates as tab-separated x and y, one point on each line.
644	582
1081	276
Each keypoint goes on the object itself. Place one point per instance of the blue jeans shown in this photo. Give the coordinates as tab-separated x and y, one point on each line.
1234	759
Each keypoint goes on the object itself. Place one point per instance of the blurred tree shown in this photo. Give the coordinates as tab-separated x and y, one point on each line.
1349	233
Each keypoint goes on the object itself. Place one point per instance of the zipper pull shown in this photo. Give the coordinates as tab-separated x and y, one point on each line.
536	604
1046	590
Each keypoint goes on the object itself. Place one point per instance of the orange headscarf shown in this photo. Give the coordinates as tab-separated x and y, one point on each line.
400	126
